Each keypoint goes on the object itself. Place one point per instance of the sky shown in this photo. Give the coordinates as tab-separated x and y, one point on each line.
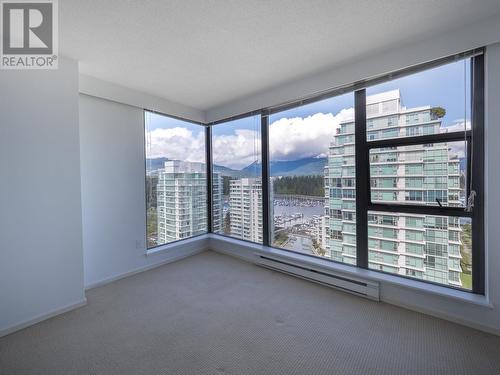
308	130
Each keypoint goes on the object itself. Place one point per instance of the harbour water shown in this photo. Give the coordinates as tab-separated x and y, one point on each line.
293	213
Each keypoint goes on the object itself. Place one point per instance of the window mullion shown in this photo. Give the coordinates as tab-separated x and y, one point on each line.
420	140
419	209
208	149
362	179
477	175
266	183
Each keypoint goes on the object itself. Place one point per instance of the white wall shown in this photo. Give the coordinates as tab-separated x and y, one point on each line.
480	34
113	193
41	269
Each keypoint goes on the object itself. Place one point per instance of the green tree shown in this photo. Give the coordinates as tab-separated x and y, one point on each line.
466	249
227	224
151	182
300	185
280	238
438	112
317	248
152	229
225	184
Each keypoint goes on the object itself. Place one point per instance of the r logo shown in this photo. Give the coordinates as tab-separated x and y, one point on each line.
29	29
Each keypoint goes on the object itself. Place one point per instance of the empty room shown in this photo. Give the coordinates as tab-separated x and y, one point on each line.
249	187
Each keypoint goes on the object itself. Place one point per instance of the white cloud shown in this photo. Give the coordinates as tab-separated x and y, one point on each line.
176	143
297	138
236	150
457	126
290	139
457	148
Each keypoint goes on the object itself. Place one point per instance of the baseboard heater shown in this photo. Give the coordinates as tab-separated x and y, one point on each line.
357	286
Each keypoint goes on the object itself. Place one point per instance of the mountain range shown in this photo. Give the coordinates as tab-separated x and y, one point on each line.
301	167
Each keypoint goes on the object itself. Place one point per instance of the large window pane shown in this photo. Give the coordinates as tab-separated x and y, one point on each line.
312	168
426	247
434	101
429	174
237	179
176	192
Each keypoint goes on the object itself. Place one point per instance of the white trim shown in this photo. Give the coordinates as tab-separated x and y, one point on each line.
110	91
449	317
176	251
174	245
42	317
173	253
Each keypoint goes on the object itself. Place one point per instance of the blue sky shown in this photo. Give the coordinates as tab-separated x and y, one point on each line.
156	121
442	86
306	131
250	123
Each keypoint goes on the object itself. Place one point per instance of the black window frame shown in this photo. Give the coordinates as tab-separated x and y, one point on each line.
362	149
209	204
474	152
264	172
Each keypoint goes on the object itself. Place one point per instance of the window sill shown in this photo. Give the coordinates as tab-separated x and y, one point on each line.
178	245
245	250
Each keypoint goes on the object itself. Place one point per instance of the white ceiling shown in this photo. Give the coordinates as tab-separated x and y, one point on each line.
205	53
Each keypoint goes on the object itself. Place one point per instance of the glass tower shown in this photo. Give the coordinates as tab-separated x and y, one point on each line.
420	246
182	200
245	197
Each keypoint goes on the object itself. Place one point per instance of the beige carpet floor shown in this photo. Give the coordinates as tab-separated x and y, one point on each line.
212	314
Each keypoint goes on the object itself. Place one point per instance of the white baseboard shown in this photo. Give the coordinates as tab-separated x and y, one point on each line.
448	317
173	258
41	317
246	256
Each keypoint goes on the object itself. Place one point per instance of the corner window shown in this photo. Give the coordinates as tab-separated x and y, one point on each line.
237	179
386	178
176	183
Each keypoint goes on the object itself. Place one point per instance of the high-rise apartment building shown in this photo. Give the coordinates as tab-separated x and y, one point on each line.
182	200
245	199
420	246
217	203
319	225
